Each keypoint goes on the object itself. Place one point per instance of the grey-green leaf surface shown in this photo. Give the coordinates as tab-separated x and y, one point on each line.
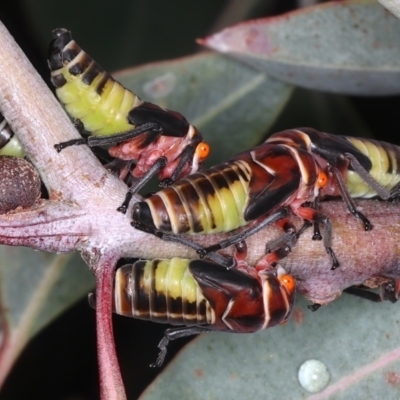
232	104
35	287
349	47
356	340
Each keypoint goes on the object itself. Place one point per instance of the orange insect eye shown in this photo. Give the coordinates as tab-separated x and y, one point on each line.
288	282
322	179
203	150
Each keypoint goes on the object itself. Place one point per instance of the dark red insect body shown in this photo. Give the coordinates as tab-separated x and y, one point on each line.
203	296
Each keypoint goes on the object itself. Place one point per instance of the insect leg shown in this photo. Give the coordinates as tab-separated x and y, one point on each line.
186	156
391	291
157	166
93	141
73	142
227	262
305	226
290	233
347	198
388	291
314	307
310	214
172	334
282	212
118	167
365	175
279	248
364	294
269	260
317	233
148	128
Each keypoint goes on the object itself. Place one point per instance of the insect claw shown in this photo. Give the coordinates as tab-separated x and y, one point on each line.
335	261
58	147
122	209
367	225
317	236
201	252
165	182
161	355
314	307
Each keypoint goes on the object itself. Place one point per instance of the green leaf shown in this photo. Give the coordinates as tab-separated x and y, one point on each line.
35	287
354	338
349	47
233	105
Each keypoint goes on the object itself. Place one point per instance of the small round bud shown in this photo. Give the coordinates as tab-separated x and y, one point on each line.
19	184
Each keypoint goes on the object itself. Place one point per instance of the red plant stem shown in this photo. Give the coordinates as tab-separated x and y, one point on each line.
111	384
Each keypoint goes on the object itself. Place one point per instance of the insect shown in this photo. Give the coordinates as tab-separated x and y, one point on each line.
291	168
358	167
255	188
155	139
203	296
9	143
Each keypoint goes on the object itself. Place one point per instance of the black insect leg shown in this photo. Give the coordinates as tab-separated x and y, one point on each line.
118	167
314	307
185	157
290	234
306	225
172	334
73	142
148	128
157	166
93	141
366	177
276	216
279	248
323	219
395	193
364	294
347	198
388	291
391	291
227	262
314	216
317	233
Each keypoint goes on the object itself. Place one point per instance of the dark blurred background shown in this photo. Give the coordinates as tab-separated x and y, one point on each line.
60	362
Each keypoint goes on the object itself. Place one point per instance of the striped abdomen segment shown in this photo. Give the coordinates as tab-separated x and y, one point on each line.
161	291
205	202
385	168
199	292
87	92
9	143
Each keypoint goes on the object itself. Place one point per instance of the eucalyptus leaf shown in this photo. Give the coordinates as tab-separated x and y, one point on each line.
349	47
35	287
355	339
232	104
